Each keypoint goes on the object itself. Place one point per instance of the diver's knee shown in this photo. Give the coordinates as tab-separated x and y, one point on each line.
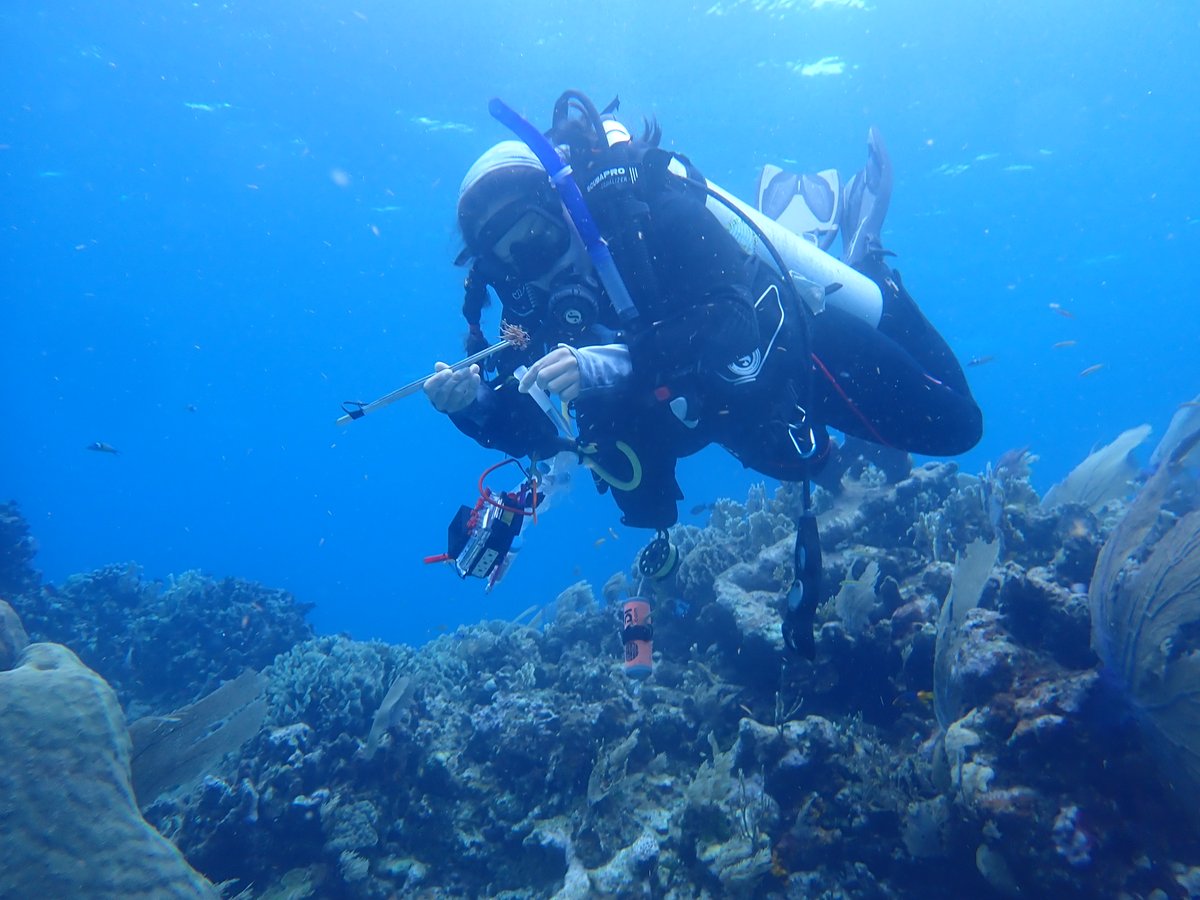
968	432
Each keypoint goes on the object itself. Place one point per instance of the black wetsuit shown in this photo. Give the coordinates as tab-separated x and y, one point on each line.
723	338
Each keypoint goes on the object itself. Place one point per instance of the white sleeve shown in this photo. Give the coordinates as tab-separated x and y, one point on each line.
603	367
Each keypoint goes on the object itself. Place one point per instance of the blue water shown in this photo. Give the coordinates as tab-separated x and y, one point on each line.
220	220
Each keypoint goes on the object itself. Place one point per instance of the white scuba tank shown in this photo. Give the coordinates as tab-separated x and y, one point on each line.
858	294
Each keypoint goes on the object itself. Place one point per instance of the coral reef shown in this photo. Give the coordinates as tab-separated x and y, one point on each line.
163	645
17	549
956	735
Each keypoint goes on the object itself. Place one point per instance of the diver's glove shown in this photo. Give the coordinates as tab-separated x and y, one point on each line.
805	593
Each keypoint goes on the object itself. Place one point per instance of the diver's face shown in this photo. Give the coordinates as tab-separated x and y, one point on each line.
526	239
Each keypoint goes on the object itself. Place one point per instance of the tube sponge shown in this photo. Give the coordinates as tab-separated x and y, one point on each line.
69	826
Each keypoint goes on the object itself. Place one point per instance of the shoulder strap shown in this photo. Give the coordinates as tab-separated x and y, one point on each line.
656	175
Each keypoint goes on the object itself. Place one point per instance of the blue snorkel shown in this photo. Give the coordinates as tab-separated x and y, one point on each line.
572	198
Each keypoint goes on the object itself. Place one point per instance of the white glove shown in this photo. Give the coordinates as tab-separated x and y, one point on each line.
556	373
451	391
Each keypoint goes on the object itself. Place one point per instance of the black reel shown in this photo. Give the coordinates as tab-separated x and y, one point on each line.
659	558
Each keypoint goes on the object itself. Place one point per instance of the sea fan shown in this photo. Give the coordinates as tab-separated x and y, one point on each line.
856	599
1105	475
971	572
1183	423
175	750
1145	603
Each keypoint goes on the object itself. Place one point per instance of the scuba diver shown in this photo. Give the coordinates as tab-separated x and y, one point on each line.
668	316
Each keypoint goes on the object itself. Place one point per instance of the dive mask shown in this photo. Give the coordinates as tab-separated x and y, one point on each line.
526	240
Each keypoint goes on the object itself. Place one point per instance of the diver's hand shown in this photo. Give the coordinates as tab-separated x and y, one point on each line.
556	373
451	391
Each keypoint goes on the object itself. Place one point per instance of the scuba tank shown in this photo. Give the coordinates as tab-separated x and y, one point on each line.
844	287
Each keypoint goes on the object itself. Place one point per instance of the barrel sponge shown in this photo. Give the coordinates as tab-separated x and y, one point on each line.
69	826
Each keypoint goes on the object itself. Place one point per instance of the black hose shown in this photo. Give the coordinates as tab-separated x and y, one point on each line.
562	111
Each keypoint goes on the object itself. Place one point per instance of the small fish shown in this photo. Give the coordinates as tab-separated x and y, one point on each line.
1062	344
910	699
599	542
191	407
612	534
101	447
980	360
1091	370
699	508
1065	313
